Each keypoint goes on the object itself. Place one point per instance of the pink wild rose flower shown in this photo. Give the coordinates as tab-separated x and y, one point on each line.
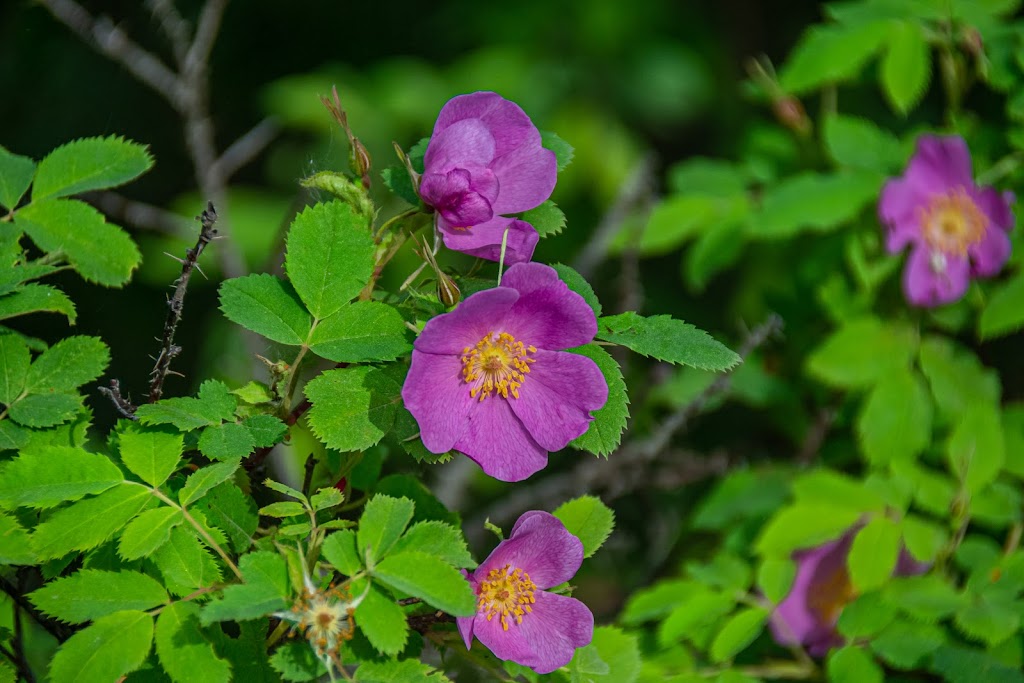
485	161
821	589
516	618
490	378
956	230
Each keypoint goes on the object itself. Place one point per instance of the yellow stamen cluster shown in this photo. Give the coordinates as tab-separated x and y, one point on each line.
952	222
325	619
497	364
506	594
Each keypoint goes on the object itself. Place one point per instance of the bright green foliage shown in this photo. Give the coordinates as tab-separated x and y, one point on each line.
695	618
88	523
605	432
340	550
383	520
45	410
436	538
147	532
804	526
229	441
895	420
15	176
213	405
359	332
658	600
90	593
400	671
873	554
330	256
925	598
853	665
185	652
14	364
831	54
101	252
826	487
975	449
906	66
814	201
667	339
547	219
396	178
34	297
775	577
230	510
327	497
923	538
962	665
862	352
296	661
611	657
739	631
283	509
956	376
264	590
152	454
204	479
184	563
859	143
67	365
564	152
12	436
266	430
906	644
89	164
578	284
353	408
381	620
266	305
50	475
589	520
866	616
741	495
1004	311
429	578
111	647
988	620
14	542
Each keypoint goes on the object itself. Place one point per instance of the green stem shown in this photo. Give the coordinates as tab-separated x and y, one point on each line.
202	532
277	633
391	221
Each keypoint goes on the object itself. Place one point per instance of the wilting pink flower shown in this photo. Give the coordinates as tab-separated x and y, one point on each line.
490	378
516	618
821	588
955	229
484	162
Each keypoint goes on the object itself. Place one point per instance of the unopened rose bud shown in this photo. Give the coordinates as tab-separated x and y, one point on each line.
342	483
447	291
359	159
790	113
342	187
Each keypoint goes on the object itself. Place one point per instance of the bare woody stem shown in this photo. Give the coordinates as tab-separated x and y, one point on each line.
176	304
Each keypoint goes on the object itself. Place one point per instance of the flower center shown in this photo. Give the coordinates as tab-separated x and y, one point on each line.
506	594
830	594
951	223
497	364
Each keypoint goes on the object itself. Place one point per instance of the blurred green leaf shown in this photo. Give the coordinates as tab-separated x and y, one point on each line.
863	352
957	378
618	651
563	150
803	526
896	419
814	201
906	66
859	143
927	598
906	645
958	664
296	661
873	554
738	632
831	54
975	450
1004	311
852	664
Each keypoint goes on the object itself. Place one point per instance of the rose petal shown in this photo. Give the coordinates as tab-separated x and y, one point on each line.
990	254
557	397
899	210
541	546
438	398
527	176
548	315
507	122
475	317
484	240
794	622
923	286
940	164
497	441
465	624
546	639
469	141
997	206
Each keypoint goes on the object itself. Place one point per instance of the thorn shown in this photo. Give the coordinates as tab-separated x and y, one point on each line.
174	372
179	260
200	271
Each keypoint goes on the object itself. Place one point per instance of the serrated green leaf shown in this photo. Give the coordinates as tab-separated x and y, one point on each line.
228	441
831	54
14	363
956	376
330	256
563	150
399	671
814	201
185	413
67	365
853	665
49	475
92	593
739	631
12	436
184	650
1004	309
263	592
619	653
436	538
283	509
16	174
340	550
923	538
896	419
866	616
547	219
283	488
928	598
862	352
359	332
904	644
577	283
396	178
383	520
230	510
353	408
45	410
589	520
152	454
976	450
15	546
89	164
101	252
804	526
429	578
988	621
326	497
111	647
12	276
906	66
296	661
266	430
185	564
381	620
88	523
834	489
961	665
605	431
873	554
148	531
255	393
859	143
268	306
667	339
35	298
204	479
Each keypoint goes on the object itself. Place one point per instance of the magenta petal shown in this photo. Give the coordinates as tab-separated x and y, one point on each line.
465	624
924	286
557	397
464	142
484	240
527	177
548	636
506	120
899	210
990	254
550	316
997	206
466	209
497	441
436	396
542	547
940	164
474	318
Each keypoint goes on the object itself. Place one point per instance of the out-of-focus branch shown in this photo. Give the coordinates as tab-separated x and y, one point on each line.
139	214
173	26
246	148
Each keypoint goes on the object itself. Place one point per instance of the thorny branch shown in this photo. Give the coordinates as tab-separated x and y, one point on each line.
176	304
627	469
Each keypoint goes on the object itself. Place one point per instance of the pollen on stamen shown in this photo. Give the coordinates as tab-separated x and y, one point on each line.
497	364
